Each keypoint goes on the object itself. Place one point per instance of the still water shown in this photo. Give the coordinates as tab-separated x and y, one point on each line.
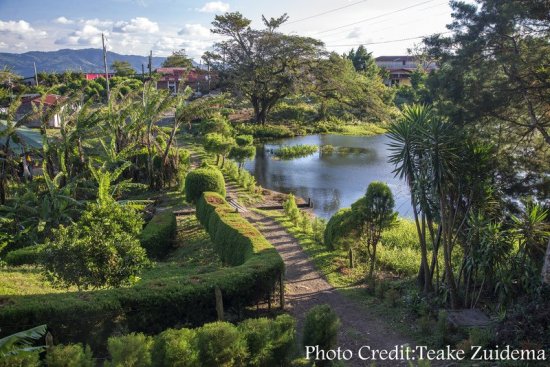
333	180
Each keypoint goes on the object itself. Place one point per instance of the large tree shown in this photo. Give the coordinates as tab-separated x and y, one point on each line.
122	68
262	65
178	59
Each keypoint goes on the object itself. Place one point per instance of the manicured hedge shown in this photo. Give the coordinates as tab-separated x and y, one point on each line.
24	256
154	305
201	180
157	238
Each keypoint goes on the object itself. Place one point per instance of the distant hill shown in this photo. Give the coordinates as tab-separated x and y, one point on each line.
86	60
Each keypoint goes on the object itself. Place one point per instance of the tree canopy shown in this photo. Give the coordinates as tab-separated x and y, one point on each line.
122	68
178	59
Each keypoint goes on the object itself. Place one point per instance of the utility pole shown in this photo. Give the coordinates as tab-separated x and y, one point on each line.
105	65
142	72
35	74
150	65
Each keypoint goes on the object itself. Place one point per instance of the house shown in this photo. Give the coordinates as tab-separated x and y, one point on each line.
93	76
400	68
32	102
177	79
172	79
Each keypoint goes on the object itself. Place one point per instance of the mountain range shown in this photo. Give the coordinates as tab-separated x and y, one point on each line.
85	60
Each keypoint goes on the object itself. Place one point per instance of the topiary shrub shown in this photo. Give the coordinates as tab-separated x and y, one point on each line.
176	348
321	328
270	342
24	256
201	180
221	344
132	350
336	227
158	235
72	355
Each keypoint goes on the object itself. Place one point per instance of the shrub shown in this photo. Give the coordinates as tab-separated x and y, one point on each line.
270	342
305	222
244	140
100	250
158	235
21	360
201	180
221	344
176	348
72	355
334	229
132	350
290	208
318	228
321	327
24	256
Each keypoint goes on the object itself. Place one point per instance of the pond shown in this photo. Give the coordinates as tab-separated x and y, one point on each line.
332	179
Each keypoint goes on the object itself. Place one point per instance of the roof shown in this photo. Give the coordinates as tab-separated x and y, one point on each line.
29	138
49	100
395	58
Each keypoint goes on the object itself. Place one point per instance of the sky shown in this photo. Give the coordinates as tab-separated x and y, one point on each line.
385	27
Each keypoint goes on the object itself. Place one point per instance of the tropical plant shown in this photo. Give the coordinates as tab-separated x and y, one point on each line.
22	342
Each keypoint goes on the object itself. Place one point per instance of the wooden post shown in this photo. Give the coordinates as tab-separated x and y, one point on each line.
282	291
219	303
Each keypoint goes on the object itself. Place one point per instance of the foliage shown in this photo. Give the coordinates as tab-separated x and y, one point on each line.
266	131
157	237
321	328
73	355
201	180
337	227
122	68
269	342
176	348
131	350
221	344
21	360
290	208
263	65
25	255
242	177
219	145
99	250
21	342
295	151
178	59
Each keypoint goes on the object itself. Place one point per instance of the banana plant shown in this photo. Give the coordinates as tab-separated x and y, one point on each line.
22	342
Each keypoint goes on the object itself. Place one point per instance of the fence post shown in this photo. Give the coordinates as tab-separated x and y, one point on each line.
219	303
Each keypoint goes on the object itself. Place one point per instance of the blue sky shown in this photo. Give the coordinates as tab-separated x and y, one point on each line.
137	26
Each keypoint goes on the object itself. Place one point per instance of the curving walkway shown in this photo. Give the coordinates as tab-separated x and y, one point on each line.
305	288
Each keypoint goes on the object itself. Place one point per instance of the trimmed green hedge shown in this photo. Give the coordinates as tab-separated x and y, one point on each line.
24	256
157	237
201	180
152	306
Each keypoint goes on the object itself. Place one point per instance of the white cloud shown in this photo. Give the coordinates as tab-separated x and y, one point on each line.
63	20
214	7
135	25
97	22
88	35
195	30
20	28
3	45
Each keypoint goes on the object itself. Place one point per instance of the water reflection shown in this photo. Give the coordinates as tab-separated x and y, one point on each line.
333	178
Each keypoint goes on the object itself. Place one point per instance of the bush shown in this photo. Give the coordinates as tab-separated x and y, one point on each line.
132	350
321	327
157	237
201	180
21	360
176	348
291	209
221	344
100	250
244	140
73	355
270	342
333	230
24	256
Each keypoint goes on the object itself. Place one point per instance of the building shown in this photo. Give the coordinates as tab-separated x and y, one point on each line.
177	79
92	76
32	102
400	68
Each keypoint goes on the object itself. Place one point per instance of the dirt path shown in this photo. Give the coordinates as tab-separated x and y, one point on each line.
305	288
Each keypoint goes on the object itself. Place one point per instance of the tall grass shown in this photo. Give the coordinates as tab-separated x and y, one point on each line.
295	151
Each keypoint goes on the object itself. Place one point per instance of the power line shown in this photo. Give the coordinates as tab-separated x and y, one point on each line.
382	42
323	13
376	17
